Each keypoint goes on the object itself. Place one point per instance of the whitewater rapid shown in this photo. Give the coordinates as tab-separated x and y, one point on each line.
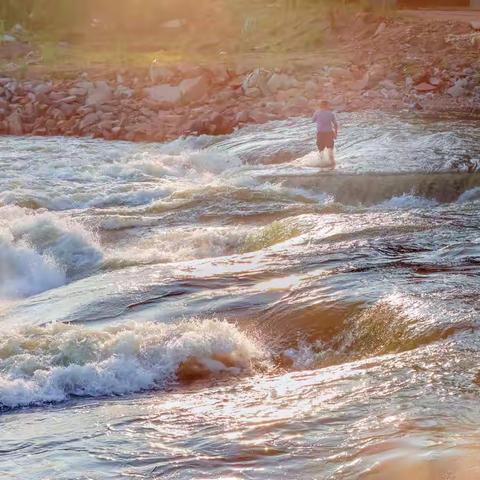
219	306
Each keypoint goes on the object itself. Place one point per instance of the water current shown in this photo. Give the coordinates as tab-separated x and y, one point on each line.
221	308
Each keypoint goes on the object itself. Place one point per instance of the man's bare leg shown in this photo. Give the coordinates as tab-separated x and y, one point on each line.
331	157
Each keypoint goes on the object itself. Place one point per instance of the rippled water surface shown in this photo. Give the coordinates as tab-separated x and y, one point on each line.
221	308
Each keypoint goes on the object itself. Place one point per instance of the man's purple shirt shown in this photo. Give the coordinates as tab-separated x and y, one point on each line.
325	120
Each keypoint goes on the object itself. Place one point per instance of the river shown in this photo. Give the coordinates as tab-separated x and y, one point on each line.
219	308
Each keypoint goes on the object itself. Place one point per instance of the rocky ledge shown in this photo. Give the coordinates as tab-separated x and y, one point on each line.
164	102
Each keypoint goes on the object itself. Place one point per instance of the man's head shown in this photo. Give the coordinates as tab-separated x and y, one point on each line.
324	105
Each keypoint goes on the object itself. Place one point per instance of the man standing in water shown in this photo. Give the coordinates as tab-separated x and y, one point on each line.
327	130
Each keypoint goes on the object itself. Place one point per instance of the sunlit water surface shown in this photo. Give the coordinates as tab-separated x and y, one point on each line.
221	308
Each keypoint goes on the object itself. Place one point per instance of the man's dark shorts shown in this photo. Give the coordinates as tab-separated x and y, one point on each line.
325	140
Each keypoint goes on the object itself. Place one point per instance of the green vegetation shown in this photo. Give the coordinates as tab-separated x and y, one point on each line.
72	34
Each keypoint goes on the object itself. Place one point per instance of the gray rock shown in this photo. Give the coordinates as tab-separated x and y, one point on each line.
8	38
78	91
388	84
257	79
194	89
69	99
458	89
88	120
175	23
340	73
281	81
42	88
123	91
98	94
164	95
380	29
475	24
160	74
253	92
188	70
219	74
14	122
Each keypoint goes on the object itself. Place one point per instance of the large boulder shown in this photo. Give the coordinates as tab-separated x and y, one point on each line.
166	96
193	89
98	93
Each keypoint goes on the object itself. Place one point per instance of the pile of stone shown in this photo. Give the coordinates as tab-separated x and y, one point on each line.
170	101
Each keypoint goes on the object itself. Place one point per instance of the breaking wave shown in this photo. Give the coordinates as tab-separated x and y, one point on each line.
53	362
42	251
183	244
369	189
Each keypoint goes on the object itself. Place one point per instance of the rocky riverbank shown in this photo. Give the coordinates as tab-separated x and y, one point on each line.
383	64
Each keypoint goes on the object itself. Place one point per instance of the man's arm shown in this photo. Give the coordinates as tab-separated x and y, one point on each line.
335	124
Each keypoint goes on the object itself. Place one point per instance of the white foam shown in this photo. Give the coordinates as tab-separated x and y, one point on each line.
192	165
50	363
39	251
313	159
407	201
181	244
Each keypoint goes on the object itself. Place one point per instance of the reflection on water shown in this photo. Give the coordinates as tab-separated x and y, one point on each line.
220	308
